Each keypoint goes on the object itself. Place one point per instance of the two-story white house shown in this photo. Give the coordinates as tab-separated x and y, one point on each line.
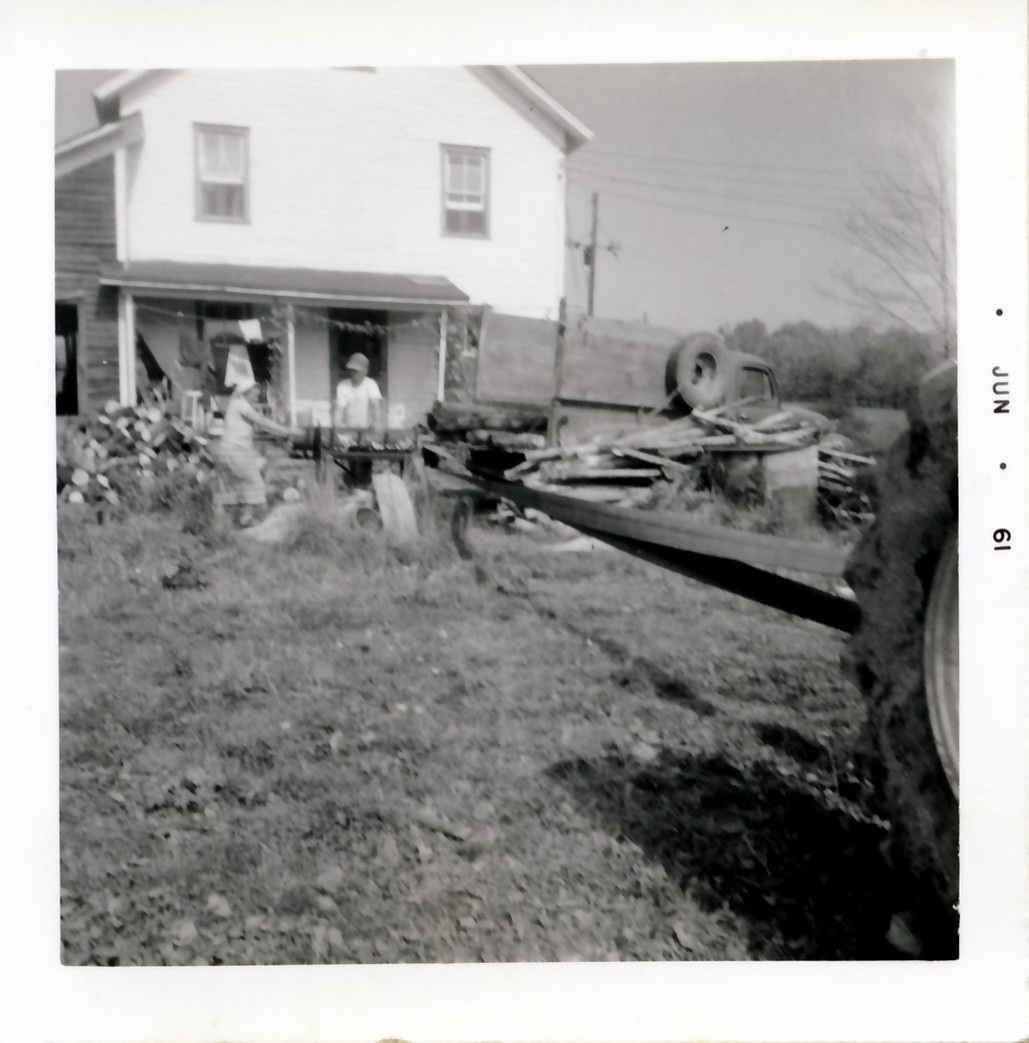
331	210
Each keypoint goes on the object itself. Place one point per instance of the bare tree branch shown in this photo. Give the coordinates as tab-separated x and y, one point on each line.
902	242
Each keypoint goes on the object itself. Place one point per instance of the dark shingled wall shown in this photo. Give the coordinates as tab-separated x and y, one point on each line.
84	238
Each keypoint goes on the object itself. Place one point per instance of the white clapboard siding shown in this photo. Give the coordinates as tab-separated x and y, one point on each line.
311	346
345	174
413	367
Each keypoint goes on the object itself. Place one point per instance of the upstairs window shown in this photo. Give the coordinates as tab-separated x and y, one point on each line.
221	174
465	191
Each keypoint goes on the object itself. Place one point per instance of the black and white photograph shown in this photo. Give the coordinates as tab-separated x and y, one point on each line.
507	518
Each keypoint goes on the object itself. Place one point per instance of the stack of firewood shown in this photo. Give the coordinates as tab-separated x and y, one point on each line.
99	457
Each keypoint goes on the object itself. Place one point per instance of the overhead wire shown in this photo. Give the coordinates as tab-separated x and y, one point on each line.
780	167
722	214
825	192
684	190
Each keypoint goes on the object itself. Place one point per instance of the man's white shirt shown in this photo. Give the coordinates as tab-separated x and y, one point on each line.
353	402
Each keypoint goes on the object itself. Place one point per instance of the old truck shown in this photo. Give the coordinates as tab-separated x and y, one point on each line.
606	372
902	621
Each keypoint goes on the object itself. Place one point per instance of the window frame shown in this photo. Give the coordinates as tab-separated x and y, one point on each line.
446	152
198	183
769	382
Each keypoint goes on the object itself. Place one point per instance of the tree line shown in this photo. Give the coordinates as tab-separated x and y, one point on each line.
840	368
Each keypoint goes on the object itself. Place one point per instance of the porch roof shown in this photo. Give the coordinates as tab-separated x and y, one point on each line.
242	282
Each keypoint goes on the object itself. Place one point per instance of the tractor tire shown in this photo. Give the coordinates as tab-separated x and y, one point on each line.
698	373
903	657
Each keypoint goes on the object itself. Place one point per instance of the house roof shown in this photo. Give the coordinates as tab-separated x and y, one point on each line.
96	144
246	282
520	87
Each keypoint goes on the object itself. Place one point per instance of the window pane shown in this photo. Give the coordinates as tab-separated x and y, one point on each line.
221	156
222	200
232	154
455	169
466	222
473	168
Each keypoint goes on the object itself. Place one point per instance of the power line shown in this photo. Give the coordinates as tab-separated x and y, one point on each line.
715	213
829	188
715	194
783	168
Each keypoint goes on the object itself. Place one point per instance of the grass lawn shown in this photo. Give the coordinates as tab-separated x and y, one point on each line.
324	752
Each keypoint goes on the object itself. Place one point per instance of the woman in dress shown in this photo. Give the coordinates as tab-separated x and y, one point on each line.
239	463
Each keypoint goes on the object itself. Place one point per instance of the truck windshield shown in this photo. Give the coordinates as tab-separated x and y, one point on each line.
755	383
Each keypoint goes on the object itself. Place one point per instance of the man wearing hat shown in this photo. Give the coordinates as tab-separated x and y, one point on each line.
358	402
357	410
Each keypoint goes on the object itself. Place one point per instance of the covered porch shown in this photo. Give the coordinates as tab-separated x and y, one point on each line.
295	328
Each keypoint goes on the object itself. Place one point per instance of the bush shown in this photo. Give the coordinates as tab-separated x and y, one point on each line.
838	368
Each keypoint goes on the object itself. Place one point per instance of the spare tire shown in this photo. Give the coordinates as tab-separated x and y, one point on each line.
698	372
903	657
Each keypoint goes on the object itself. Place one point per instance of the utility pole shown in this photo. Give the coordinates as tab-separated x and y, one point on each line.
591	253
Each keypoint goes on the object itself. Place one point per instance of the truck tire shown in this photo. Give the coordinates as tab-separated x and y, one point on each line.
697	374
904	659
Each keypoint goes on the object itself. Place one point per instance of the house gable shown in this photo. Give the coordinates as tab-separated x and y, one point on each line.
345	174
509	82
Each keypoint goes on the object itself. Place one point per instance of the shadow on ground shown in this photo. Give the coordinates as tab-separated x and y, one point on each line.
790	858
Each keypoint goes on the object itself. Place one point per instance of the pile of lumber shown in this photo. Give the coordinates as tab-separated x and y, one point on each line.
624	468
99	457
614	468
840	490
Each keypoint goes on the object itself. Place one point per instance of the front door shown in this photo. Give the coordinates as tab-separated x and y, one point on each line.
354	331
67	360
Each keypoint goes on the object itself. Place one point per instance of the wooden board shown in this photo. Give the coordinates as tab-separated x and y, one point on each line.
516	359
605	361
395	508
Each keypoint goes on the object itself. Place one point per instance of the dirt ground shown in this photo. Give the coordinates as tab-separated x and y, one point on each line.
325	752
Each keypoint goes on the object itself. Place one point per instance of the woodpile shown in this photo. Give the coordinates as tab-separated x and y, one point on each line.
629	467
620	468
100	457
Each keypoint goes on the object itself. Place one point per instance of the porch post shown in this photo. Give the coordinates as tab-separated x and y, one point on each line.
441	376
291	364
126	348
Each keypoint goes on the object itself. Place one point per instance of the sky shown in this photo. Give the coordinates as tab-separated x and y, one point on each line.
721	186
